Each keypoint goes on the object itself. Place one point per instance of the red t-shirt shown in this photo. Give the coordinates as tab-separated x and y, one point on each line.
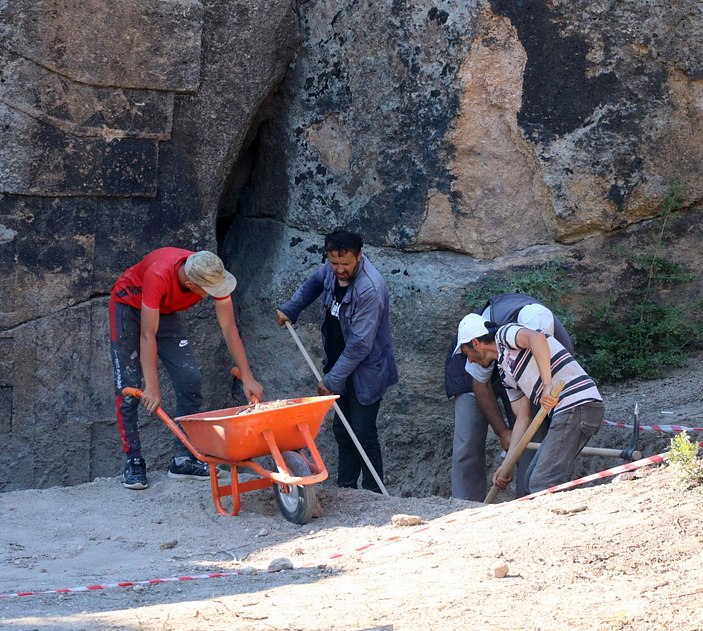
153	282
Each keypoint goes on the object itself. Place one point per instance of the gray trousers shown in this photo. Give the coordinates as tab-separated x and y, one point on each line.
567	436
469	474
174	351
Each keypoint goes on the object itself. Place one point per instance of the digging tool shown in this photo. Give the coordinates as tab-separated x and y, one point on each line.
626	454
524	440
629	454
337	409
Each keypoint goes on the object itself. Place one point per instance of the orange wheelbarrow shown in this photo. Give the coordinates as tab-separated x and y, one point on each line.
235	436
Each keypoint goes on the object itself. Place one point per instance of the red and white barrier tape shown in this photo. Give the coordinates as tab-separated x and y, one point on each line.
367	546
628	466
655	428
95	588
173	579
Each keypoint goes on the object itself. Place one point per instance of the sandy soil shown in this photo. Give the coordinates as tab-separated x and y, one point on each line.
626	553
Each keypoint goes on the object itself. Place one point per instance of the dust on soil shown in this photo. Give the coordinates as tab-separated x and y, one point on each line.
625	553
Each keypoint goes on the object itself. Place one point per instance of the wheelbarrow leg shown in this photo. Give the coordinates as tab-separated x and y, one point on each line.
316	466
273	449
225	490
235	488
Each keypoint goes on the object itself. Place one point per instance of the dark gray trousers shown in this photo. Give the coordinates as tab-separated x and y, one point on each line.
469	472
567	436
362	420
177	357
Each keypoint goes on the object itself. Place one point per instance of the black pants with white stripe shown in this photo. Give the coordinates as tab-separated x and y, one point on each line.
176	355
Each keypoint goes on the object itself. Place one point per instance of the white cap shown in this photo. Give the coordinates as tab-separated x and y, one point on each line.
470	327
536	317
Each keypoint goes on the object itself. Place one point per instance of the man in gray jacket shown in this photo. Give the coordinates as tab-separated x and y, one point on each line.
359	362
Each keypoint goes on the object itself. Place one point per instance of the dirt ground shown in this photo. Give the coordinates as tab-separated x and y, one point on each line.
626	553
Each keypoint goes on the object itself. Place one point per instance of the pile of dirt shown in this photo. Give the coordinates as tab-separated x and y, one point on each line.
623	554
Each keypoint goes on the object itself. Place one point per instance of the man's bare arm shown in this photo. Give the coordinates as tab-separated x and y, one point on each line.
224	310
488	404
149	325
537	343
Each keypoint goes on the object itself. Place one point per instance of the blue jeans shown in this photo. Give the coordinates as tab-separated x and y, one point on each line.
176	354
567	436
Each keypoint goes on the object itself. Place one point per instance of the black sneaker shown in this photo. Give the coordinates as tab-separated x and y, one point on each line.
134	476
189	468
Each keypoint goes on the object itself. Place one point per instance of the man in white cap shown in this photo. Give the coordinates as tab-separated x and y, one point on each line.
144	325
475	391
529	362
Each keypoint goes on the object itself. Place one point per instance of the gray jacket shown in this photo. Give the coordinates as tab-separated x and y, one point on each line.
364	317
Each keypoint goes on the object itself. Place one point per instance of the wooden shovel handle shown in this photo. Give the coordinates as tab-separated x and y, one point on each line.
524	440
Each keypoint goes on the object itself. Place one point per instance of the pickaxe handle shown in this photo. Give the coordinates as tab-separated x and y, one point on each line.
524	440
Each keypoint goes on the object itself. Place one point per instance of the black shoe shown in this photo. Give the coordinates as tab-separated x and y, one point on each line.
190	468
134	476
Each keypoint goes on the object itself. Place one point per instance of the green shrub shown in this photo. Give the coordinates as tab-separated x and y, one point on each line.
621	343
639	343
615	340
683	459
549	283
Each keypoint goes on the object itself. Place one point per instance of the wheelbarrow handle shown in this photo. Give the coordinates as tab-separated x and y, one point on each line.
172	425
237	374
133	392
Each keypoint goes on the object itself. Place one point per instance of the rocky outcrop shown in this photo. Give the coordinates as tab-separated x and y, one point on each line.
462	139
120	125
485	128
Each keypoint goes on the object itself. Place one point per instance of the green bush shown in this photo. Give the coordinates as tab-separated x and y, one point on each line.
615	340
549	283
621	343
683	458
639	343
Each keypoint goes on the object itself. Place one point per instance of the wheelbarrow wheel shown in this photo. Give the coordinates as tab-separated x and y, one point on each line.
296	501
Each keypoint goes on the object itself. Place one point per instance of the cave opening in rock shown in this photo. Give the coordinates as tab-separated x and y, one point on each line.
238	193
255	187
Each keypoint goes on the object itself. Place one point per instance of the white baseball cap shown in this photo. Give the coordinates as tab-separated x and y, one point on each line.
536	317
470	327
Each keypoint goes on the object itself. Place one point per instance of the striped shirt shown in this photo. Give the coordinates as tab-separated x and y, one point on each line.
520	373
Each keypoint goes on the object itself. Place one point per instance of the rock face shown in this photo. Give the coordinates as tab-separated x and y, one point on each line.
461	139
120	125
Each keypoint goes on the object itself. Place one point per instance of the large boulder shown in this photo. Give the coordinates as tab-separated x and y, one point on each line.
120	126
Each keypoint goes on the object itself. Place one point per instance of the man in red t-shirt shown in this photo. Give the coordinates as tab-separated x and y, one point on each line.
144	325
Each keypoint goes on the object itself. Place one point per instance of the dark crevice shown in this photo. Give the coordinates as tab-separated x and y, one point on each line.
236	193
241	195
